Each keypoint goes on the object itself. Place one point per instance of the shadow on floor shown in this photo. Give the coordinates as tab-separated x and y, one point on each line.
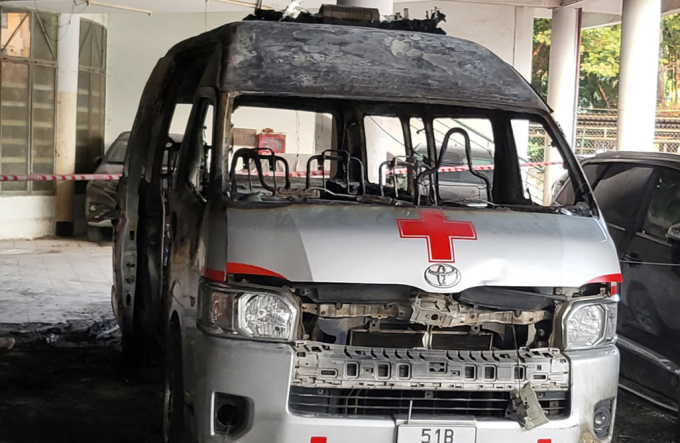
65	393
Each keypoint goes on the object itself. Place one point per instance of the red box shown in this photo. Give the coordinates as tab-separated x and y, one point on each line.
275	142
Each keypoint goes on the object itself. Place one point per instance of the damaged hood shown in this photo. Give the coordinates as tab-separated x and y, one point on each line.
432	249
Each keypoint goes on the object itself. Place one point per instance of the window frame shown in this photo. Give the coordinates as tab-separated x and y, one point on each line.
93	73
35	25
634	224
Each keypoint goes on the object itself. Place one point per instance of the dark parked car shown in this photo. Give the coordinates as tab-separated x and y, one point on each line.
462	185
100	197
639	196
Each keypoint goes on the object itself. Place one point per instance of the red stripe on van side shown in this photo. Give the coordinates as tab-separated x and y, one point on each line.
611	278
213	275
241	268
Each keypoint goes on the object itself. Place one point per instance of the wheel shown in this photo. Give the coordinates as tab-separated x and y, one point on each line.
174	429
95	234
643	311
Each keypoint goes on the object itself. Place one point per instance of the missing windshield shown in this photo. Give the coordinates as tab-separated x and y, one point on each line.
391	153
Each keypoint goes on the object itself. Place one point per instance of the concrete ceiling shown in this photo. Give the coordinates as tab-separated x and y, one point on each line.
185	6
597	12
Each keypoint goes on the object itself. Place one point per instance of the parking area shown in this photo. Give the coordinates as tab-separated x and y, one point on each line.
66	373
53	281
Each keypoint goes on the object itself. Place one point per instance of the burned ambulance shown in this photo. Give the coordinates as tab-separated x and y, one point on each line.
346	286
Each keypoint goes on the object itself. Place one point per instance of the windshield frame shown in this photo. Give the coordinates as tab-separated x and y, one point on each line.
581	188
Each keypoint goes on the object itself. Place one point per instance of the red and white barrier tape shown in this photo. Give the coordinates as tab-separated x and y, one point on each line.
58	178
90	177
402	171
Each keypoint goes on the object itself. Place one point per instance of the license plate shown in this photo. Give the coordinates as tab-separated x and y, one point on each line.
436	434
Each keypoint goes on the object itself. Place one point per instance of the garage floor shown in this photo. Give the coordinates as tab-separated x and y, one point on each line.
61	383
54	281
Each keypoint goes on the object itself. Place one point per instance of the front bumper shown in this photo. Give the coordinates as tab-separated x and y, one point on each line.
262	372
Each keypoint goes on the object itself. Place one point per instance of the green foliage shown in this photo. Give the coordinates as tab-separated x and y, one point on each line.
541	56
535	152
668	64
600	53
600	57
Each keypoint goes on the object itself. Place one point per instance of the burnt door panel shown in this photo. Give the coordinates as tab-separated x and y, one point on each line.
652	266
187	206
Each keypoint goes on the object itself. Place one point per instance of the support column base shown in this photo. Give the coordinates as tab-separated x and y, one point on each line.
64	229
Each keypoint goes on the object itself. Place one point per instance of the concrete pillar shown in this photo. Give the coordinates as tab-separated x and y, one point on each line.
522	55
67	110
640	29
376	138
562	84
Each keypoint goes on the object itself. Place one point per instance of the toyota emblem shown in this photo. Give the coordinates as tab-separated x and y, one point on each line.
441	275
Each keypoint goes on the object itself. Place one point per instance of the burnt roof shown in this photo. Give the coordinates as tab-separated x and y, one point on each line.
365	63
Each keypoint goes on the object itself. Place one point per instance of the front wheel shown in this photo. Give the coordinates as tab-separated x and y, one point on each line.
174	428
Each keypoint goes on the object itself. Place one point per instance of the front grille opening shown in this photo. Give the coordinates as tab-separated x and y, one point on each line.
404	370
396	402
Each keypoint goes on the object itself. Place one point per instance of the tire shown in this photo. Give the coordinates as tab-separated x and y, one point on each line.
174	426
95	234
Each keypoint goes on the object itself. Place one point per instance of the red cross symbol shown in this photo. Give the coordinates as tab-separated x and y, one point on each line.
439	232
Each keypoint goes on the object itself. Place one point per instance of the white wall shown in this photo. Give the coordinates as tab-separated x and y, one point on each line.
493	26
130	64
26	217
136	43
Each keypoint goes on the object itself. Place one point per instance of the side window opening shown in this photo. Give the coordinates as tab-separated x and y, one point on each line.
564	189
385	143
541	164
198	150
664	206
619	191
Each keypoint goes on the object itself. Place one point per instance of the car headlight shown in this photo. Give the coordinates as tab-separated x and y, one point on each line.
265	315
589	323
248	312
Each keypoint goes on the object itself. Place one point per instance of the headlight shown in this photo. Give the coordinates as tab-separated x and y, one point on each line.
248	312
265	315
589	323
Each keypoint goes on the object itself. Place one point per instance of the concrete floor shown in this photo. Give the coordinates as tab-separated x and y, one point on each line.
54	281
64	385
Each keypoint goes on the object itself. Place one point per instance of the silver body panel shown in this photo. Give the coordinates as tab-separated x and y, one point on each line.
228	365
362	244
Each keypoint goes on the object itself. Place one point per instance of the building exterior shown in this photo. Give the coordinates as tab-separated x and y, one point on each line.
72	76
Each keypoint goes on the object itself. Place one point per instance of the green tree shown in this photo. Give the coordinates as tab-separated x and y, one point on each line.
600	58
541	56
668	65
600	53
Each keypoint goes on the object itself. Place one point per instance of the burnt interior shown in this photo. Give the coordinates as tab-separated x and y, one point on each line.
412	179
